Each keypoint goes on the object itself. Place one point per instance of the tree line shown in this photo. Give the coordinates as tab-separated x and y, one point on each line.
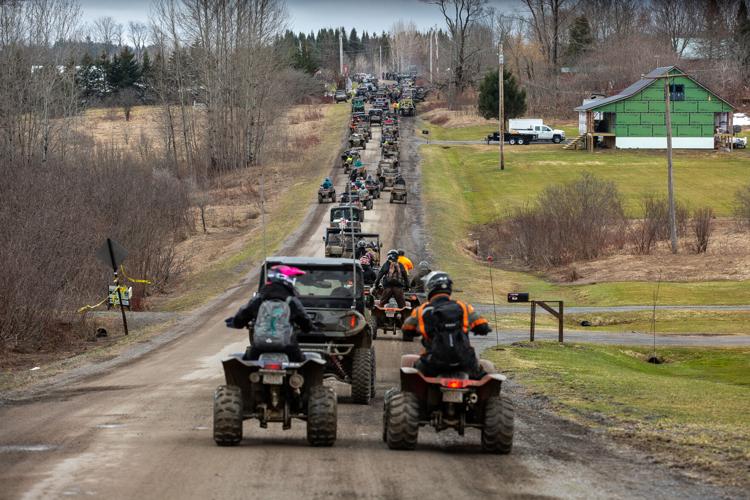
219	80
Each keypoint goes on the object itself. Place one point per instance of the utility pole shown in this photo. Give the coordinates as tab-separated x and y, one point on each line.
670	178
380	61
430	56
437	55
341	52
501	106
672	221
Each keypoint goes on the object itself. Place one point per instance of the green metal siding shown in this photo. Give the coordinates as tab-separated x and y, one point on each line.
653	119
642	115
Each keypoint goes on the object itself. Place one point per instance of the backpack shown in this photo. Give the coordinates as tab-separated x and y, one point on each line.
393	276
273	326
450	348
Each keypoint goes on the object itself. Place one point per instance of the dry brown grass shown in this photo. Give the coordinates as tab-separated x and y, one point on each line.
466	116
727	258
233	211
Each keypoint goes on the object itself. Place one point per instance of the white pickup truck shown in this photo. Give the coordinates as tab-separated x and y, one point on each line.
536	127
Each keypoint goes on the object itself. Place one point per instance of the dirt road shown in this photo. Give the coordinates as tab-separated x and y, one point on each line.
143	430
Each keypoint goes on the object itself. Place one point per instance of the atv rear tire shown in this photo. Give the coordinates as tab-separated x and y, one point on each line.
362	368
386	399
372	375
497	433
402	421
228	415
321	416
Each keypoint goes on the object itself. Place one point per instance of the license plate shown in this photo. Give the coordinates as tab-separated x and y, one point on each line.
390	314
273	378
453	396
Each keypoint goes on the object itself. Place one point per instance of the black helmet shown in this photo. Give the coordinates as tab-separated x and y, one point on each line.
424	267
361	244
392	255
437	282
401	252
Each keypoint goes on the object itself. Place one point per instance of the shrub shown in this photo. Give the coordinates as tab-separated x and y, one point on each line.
702	228
54	217
654	226
580	220
742	206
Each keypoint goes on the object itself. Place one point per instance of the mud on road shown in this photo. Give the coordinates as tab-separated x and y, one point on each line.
144	429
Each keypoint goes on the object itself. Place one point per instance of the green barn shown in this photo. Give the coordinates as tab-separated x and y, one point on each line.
635	118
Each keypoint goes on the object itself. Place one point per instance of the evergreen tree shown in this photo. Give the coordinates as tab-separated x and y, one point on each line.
580	37
354	43
304	59
146	68
514	98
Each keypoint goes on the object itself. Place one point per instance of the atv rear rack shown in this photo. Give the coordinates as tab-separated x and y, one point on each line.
328	349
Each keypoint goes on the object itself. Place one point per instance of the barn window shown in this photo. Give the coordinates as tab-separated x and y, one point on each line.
676	92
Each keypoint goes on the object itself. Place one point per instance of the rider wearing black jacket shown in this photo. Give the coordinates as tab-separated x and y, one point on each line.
393	286
436	320
278	287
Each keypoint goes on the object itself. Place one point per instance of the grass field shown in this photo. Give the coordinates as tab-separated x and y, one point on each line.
284	212
677	321
478	132
463	187
691	410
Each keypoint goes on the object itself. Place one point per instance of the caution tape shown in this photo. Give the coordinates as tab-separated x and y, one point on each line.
122	268
91	308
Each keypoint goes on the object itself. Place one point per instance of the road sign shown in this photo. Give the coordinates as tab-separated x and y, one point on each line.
112	254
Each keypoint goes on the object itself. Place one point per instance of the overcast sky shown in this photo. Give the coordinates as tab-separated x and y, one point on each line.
306	15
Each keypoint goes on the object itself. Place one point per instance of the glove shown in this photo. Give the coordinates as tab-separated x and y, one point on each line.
230	322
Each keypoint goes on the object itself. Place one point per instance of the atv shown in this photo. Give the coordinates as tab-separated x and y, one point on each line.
373	187
451	401
357	140
398	193
326	195
350	216
389	317
273	389
332	291
388	178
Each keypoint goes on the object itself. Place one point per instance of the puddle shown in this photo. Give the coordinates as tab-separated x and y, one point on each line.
110	426
14	448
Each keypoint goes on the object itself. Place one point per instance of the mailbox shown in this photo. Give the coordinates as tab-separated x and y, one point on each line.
518	297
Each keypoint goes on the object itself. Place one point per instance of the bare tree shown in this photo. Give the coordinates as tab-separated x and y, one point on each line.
36	83
613	18
222	56
677	21
548	21
460	17
105	31
138	36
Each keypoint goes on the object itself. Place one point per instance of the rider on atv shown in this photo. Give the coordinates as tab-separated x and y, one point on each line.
327	184
444	325
277	298
417	282
393	278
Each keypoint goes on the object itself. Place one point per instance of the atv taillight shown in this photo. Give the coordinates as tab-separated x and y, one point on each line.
453	383
352	321
272	366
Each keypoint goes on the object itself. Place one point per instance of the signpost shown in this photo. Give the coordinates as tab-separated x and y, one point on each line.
518	297
113	254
